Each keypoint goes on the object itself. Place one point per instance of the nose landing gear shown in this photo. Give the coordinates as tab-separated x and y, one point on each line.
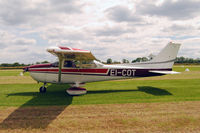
43	88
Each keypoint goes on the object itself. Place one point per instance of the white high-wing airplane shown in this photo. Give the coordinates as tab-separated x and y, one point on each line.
76	67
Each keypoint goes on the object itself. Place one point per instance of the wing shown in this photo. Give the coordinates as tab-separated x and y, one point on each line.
71	53
165	72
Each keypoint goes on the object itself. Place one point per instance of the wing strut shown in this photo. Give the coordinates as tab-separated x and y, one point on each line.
60	68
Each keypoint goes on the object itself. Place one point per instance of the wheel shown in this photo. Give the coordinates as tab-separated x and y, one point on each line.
43	89
76	91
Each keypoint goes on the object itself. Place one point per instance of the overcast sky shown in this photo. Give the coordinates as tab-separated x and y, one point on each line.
114	29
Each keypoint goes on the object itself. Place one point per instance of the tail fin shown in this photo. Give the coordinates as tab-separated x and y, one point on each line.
167	56
168	53
164	60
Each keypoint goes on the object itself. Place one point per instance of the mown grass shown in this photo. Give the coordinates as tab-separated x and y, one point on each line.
181	68
12	72
157	89
155	110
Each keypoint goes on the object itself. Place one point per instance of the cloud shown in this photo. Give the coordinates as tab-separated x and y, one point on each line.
112	31
28	12
9	39
14	48
116	29
175	10
66	6
122	14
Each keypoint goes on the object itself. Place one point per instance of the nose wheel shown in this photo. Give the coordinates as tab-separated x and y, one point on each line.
43	89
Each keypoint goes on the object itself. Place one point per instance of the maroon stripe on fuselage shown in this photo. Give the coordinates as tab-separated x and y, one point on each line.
41	66
104	71
146	73
135	72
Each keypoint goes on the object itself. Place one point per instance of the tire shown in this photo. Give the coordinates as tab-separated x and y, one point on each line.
43	89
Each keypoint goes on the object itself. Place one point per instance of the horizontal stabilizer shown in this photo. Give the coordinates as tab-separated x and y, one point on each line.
165	72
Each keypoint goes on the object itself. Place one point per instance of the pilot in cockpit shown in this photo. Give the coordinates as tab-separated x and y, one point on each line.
69	64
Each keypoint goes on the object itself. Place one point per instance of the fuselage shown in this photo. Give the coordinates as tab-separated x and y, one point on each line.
48	73
76	67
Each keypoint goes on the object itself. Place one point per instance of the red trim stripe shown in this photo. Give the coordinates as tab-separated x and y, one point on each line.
76	49
64	48
73	70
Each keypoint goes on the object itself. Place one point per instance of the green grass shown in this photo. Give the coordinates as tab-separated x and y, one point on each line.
183	67
130	91
107	92
12	72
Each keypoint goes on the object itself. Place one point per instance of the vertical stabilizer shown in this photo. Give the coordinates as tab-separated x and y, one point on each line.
168	53
164	60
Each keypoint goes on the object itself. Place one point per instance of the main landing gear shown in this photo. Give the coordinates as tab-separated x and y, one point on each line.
76	90
43	89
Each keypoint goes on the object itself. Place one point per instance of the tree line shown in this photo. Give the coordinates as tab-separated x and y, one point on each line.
17	64
179	60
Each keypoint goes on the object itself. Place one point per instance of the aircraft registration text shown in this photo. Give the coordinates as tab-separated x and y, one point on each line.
122	72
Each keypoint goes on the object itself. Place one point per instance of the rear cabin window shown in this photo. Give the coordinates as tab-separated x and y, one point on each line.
88	64
78	64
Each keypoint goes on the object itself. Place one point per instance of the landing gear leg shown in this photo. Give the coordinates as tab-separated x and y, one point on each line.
43	88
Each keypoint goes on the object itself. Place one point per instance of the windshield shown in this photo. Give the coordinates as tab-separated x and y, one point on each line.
55	64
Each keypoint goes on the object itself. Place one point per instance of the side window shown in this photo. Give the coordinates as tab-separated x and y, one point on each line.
88	64
77	64
70	64
55	64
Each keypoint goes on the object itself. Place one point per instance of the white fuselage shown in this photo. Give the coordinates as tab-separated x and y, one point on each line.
81	75
69	72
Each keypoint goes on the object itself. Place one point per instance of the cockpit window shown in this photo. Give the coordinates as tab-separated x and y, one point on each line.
55	64
69	64
76	64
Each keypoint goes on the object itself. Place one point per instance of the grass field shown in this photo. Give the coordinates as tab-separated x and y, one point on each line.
164	100
24	91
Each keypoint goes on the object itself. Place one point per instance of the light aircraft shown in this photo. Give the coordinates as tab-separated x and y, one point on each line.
77	67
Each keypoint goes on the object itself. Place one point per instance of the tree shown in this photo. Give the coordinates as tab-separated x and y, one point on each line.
125	61
116	62
44	62
137	60
15	64
144	59
109	61
140	59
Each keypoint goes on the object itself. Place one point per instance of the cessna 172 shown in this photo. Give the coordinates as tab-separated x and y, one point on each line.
76	67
